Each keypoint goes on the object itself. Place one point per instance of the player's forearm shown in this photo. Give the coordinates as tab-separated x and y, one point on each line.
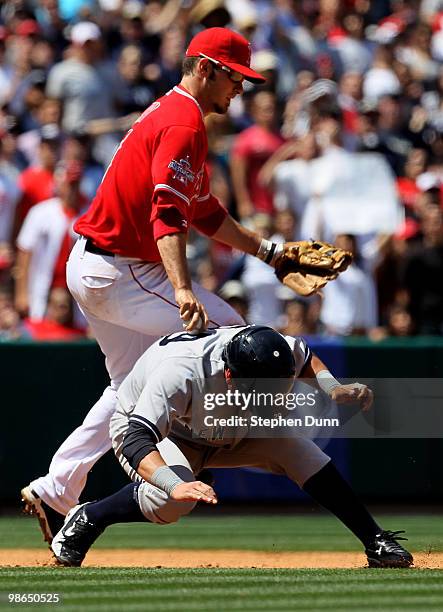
149	464
153	469
235	235
317	375
172	250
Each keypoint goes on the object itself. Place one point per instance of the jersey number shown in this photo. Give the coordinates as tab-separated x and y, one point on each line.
185	337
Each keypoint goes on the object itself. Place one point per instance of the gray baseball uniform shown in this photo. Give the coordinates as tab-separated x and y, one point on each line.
157	394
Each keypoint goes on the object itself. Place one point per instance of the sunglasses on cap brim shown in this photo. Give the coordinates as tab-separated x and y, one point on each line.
235	77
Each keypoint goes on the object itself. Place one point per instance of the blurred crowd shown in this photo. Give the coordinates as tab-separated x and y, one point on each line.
344	142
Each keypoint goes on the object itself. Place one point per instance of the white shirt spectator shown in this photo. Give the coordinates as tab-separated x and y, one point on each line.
354	55
379	82
292	186
42	234
349	303
261	284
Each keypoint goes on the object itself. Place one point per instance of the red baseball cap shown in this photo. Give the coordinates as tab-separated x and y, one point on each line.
70	171
228	48
28	27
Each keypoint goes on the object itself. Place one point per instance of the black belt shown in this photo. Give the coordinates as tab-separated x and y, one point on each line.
93	248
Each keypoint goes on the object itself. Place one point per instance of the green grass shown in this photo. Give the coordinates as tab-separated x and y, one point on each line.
271	533
217	590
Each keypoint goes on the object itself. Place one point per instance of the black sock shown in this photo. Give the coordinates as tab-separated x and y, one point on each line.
329	489
121	507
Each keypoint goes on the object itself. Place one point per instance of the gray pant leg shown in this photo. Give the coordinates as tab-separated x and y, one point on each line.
297	458
154	503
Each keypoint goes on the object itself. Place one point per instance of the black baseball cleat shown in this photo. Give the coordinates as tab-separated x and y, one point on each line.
385	551
50	520
75	538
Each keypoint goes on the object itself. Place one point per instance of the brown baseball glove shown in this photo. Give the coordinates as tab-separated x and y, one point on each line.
306	266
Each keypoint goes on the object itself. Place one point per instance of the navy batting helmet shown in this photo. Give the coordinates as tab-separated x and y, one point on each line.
259	352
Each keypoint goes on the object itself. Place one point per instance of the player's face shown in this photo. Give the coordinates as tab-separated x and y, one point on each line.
223	85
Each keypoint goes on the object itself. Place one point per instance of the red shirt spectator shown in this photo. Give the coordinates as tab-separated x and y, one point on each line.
37	185
37	182
58	321
407	187
252	148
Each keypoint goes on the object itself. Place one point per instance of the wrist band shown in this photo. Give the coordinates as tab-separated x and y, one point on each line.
164	478
326	381
269	251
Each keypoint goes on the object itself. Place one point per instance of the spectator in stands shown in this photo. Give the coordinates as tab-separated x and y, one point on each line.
349	303
57	324
135	92
380	80
288	172
251	149
47	114
170	59
234	293
423	274
77	148
285	225
10	325
86	86
387	98
37	182
408	189
6	71
399	324
393	132
294	319
132	31
9	196
260	281
45	241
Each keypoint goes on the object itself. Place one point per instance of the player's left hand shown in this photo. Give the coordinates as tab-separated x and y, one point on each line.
194	491
354	393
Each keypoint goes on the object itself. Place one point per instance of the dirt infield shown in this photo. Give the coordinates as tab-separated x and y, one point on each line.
208	558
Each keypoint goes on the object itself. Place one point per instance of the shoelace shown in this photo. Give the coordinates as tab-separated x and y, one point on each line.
393	535
390	539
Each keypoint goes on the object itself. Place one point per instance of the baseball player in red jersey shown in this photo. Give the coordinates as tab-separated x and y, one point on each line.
128	270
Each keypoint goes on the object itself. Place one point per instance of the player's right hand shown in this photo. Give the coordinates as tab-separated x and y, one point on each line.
192	312
194	491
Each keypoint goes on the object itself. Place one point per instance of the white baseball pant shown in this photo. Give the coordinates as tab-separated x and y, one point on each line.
128	304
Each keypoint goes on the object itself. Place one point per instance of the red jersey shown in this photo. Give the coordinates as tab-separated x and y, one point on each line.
156	183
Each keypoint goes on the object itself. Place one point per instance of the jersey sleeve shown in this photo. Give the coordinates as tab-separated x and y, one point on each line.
210	213
302	353
165	397
175	165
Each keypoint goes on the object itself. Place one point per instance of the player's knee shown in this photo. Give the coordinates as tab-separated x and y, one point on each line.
158	508
299	459
173	511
